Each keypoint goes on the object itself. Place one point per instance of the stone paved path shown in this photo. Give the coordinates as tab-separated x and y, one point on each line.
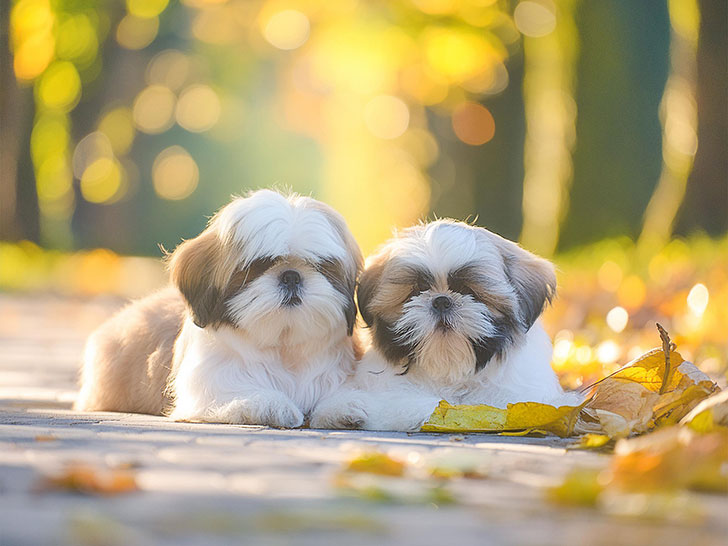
219	484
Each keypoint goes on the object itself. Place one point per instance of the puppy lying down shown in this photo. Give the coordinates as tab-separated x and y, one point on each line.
452	310
255	329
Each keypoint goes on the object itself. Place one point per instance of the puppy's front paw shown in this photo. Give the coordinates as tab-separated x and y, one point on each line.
273	409
340	413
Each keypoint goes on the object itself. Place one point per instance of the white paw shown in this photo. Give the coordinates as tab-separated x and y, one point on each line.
272	408
340	412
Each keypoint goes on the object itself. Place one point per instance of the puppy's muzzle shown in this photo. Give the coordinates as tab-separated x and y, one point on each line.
290	282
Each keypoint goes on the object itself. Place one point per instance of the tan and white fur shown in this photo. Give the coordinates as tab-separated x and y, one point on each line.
453	314
256	329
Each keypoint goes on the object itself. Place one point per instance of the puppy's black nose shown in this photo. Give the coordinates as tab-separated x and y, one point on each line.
442	303
290	279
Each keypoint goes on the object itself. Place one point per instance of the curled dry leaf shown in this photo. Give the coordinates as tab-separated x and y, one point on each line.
523	416
650	392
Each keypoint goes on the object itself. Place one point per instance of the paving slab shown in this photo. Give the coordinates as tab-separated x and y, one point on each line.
225	484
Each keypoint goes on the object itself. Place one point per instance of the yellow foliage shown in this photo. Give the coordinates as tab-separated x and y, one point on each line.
709	415
376	463
521	416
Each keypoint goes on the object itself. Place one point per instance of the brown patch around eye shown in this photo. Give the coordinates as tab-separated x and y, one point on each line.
243	277
343	282
461	281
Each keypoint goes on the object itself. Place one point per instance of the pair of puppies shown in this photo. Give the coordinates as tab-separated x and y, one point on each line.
257	327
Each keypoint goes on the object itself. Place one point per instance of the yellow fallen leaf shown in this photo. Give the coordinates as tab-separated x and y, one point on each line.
709	415
520	416
675	405
649	371
594	441
580	488
376	463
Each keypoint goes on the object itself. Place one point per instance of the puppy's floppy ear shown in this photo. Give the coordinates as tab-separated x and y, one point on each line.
533	279
198	270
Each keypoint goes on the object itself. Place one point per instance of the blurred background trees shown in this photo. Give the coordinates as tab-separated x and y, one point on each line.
123	124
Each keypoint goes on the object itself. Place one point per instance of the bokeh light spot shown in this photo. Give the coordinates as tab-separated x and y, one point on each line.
617	319
118	126
386	116
53	178
31	27
102	181
154	109
287	29
90	149
60	86
146	8
698	299
609	276
535	19
473	123
76	40
169	68
198	108
632	292
136	32
32	56
456	55
50	135
607	351
174	174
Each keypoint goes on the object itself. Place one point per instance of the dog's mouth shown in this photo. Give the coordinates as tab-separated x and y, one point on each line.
443	326
292	300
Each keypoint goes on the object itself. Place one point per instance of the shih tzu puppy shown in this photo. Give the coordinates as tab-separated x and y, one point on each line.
453	314
256	329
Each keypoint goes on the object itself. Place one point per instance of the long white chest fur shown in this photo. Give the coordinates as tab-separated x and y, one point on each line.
220	375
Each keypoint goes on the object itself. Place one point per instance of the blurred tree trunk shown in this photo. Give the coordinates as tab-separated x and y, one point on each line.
706	198
484	181
621	73
18	199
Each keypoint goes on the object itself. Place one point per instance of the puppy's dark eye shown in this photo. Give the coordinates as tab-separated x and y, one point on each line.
422	284
457	285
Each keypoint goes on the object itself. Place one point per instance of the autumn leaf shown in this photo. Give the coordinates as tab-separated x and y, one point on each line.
655	390
516	417
672	458
593	441
709	415
88	480
376	463
580	487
